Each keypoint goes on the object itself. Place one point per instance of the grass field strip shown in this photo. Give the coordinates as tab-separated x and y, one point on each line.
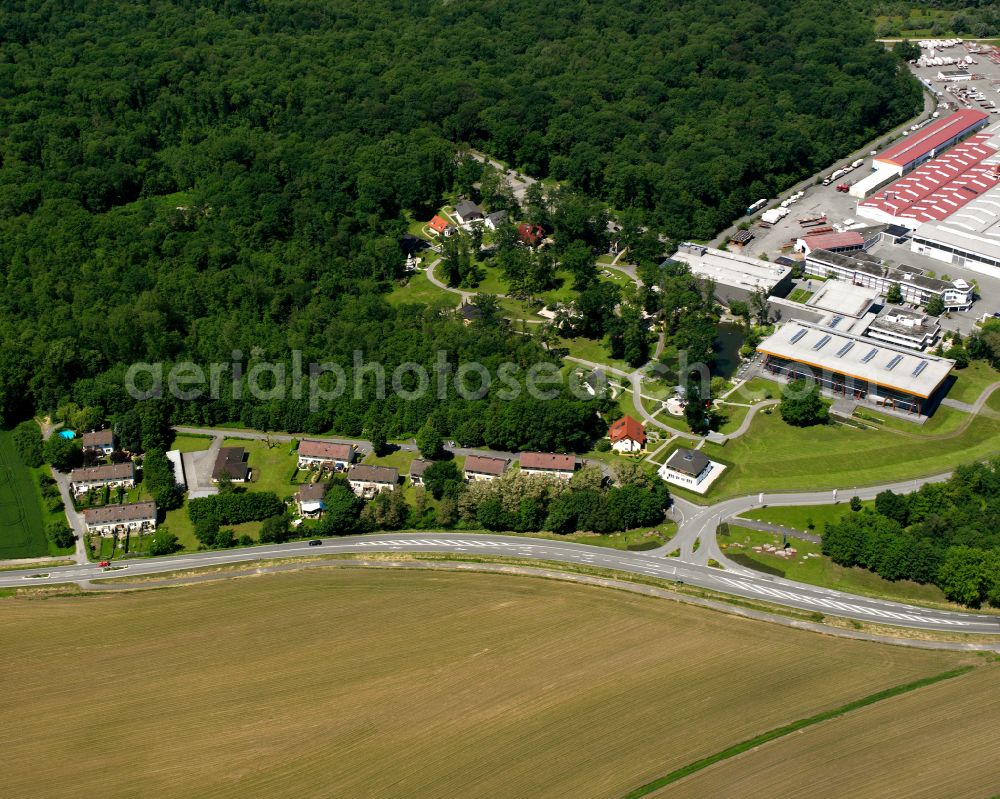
787	729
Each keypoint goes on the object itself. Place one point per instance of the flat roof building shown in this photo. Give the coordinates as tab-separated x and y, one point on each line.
864	269
855	367
930	140
970	237
736	277
841	298
904	328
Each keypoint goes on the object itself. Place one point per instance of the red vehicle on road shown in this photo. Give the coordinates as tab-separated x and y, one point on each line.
104	563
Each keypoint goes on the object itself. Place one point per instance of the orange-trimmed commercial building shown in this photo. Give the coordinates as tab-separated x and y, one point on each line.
856	367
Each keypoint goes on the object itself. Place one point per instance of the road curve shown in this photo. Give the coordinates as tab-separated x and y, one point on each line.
737	582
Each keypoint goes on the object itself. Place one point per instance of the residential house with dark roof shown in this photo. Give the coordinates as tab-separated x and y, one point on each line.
417	468
691	469
110	476
494	220
366	480
309	500
231	462
467	211
484	468
102	441
109	520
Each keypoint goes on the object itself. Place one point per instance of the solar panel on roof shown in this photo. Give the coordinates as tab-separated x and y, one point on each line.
920	367
821	343
870	355
845	349
836	321
798	336
894	362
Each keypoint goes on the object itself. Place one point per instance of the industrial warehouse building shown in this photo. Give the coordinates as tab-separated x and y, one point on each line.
970	237
940	187
926	143
921	146
857	368
865	269
736	277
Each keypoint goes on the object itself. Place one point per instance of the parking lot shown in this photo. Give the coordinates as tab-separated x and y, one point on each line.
984	72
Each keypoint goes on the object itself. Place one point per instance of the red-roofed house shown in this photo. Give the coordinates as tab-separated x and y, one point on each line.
531	235
627	435
547	463
440	225
834	242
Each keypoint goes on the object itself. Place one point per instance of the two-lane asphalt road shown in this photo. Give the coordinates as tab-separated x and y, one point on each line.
736	581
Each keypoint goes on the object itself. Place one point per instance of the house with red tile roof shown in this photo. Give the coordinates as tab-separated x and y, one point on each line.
627	435
440	225
531	235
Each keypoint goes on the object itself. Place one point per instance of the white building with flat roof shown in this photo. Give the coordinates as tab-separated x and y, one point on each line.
736	277
852	366
970	237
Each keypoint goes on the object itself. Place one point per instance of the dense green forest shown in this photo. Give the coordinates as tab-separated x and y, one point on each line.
945	533
976	18
182	180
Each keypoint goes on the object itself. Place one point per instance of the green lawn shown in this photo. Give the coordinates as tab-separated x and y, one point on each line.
22	512
420	291
492	283
798	517
821	570
186	443
634	540
272	466
591	350
800	295
774	456
970	382
399	459
627	406
178	523
755	390
735	414
944	421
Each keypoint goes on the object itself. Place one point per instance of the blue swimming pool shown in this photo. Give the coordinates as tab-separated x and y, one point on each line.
67	434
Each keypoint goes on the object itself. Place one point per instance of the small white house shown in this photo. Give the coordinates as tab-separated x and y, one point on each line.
691	469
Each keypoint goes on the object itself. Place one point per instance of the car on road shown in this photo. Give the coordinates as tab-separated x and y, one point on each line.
315	542
104	564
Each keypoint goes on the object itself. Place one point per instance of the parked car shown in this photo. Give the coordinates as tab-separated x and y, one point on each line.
315	542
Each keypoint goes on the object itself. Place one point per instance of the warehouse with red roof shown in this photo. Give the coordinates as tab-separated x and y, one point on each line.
938	188
924	144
